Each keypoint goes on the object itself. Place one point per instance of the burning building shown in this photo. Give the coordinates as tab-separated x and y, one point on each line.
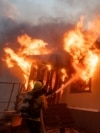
67	70
77	55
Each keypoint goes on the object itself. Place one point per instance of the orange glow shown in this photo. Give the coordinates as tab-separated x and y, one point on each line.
49	67
30	46
79	43
13	59
30	85
64	74
19	59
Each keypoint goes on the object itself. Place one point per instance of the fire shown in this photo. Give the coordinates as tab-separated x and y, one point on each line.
28	46
49	67
79	43
64	74
13	59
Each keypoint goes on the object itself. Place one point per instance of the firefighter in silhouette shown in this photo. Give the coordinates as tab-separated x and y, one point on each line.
31	109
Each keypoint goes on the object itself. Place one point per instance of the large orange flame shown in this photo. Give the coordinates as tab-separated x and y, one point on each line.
79	43
29	46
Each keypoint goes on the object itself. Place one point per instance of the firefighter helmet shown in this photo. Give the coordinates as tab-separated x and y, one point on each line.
38	86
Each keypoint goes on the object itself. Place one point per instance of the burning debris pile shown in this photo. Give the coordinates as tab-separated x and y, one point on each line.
56	67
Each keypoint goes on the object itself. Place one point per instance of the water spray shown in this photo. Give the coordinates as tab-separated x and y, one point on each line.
74	77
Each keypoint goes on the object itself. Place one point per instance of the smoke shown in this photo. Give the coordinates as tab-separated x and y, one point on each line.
37	11
44	19
76	8
8	9
47	20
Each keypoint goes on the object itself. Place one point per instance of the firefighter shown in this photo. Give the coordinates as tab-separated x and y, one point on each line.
33	104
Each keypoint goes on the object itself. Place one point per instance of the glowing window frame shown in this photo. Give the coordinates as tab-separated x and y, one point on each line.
80	86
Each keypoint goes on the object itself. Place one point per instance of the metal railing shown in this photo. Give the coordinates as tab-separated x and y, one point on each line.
12	86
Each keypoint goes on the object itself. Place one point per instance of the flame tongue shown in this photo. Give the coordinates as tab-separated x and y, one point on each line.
14	59
29	46
80	45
